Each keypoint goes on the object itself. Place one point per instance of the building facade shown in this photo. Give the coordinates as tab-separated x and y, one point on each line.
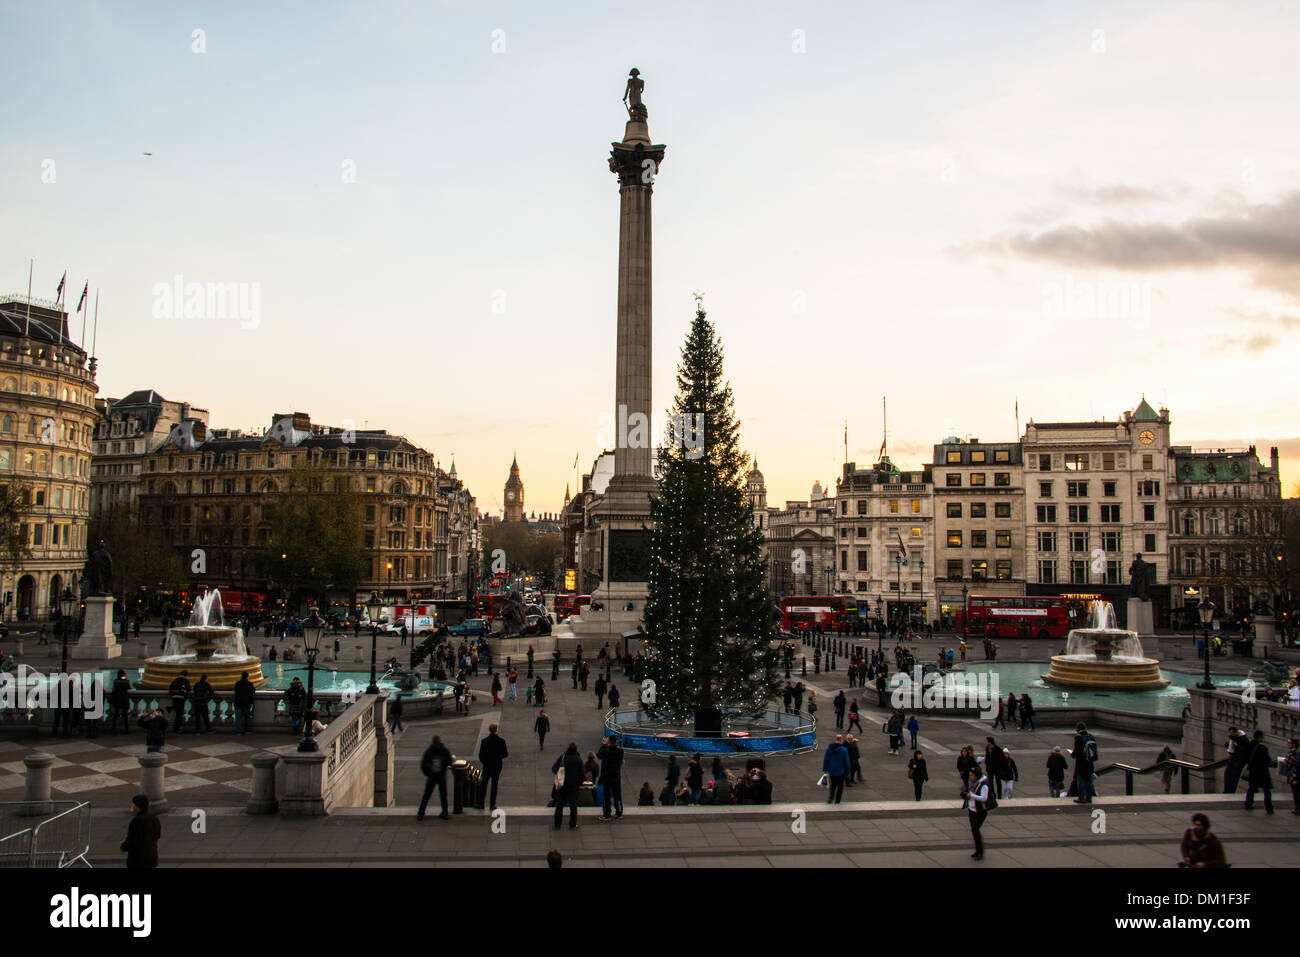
514	494
1225	531
47	423
128	429
801	546
1093	501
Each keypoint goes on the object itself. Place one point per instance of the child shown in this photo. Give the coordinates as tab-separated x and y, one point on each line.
528	695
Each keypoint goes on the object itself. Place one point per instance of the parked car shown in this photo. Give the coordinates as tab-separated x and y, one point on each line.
470	628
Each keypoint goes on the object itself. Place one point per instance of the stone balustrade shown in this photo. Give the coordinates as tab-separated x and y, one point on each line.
1206	730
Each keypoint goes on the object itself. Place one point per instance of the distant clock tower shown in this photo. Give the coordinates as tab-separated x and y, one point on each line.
514	494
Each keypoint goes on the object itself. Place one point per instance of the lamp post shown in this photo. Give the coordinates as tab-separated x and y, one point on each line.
1206	611
312	629
67	602
373	604
880	632
965	612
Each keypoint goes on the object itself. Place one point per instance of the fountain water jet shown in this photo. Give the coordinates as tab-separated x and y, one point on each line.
1104	658
205	646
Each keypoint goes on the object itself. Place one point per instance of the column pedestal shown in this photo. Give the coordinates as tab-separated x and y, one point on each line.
97	641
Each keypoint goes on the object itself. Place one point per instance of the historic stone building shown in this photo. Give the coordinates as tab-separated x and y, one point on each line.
800	546
884	534
1224	531
128	429
979	522
211	489
1093	500
462	545
47	419
514	494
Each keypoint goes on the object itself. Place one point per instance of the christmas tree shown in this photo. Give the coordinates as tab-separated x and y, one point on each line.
707	612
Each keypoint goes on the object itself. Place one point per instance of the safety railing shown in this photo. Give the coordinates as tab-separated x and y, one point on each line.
1185	769
60	838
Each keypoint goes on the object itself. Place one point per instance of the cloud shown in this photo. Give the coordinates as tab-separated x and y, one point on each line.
1262	238
1118	194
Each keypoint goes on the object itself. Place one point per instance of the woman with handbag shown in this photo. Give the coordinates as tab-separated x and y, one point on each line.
854	717
917	772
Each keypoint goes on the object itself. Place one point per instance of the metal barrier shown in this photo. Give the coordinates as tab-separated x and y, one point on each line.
59	840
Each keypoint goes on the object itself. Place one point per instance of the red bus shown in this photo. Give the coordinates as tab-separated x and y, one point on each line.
569	605
1017	617
825	610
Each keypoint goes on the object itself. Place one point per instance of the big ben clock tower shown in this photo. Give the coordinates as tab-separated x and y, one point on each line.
514	494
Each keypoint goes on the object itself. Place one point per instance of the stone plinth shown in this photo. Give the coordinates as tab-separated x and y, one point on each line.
36	793
1266	643
1140	618
153	766
97	640
261	797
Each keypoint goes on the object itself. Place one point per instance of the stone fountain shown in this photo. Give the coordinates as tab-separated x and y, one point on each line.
1104	658
206	646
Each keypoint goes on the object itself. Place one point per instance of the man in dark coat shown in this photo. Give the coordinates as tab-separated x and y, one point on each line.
180	692
611	776
600	691
434	764
119	699
295	697
1258	763
141	844
839	703
202	697
492	753
574	774
614	696
882	685
155	730
245	694
1085	748
993	765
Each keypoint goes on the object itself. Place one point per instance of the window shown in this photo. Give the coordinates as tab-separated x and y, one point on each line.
1001	478
1108	489
1046	513
893	506
978	510
1213	525
862	532
979	539
369	538
1078	513
916	531
954	569
1044	489
862	560
1004	570
862	506
977	457
1239	524
1076	462
844	532
1239	564
1003	539
1078	571
844	508
1047	541
979	570
1149	543
954	509
1002	455
1110	513
862	586
1216	562
916	506
38	534
1110	541
844	561
6	459
954	458
1078	541
1148	462
1189	565
1108	461
1148	488
1112	572
1002	510
893	586
976	478
954	539
1044	463
1148	513
1076	489
954	479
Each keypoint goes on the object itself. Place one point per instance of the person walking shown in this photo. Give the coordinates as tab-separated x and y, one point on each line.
965	761
854	717
541	726
1258	774
142	834
434	764
835	765
913	728
674	773
695	778
119	699
1056	767
993	765
584	675
492	753
1166	770
1026	713
539	692
295	697
555	665
569	772
600	691
838	703
496	689
512	678
1000	720
855	760
1010	773
976	797
614	696
917	772
1085	757
180	693
245	695
611	776
895	728
1238	750
395	715
1200	847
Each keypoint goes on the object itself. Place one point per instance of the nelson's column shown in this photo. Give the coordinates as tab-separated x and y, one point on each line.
623	512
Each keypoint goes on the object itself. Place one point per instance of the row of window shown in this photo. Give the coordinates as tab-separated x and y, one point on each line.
1214	564
338	459
1082	461
978	479
35	387
890	534
1080	541
32	462
980	539
980	510
978	456
267	486
1080	571
979	570
65	536
1109	514
1213	524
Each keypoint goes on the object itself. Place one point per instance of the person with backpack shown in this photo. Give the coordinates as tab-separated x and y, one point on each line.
1258	775
610	756
838	704
978	798
1085	756
913	729
434	764
570	771
835	765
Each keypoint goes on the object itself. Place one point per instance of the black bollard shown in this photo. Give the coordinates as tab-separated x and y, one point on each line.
817	663
458	771
832	661
804	672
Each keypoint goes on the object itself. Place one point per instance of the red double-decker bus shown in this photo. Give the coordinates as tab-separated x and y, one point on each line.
1017	617
828	611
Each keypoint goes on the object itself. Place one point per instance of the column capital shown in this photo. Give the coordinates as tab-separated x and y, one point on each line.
635	165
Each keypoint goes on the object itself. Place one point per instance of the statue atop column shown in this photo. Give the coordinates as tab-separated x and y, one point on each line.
97	575
1141	577
632	95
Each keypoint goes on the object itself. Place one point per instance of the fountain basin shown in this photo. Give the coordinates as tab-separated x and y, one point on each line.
217	651
1117	673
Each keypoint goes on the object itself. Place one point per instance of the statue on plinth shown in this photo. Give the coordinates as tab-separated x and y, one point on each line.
632	95
97	574
1142	575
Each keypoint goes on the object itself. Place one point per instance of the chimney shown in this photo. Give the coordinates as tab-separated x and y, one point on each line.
1272	458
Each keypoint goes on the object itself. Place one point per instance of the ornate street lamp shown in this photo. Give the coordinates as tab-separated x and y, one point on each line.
312	629
965	612
1206	611
67	604
373	604
880	631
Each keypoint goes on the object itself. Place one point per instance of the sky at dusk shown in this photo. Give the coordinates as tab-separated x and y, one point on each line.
955	205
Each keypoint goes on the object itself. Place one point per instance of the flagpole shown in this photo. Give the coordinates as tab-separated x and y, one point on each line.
94	336
28	324
84	317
